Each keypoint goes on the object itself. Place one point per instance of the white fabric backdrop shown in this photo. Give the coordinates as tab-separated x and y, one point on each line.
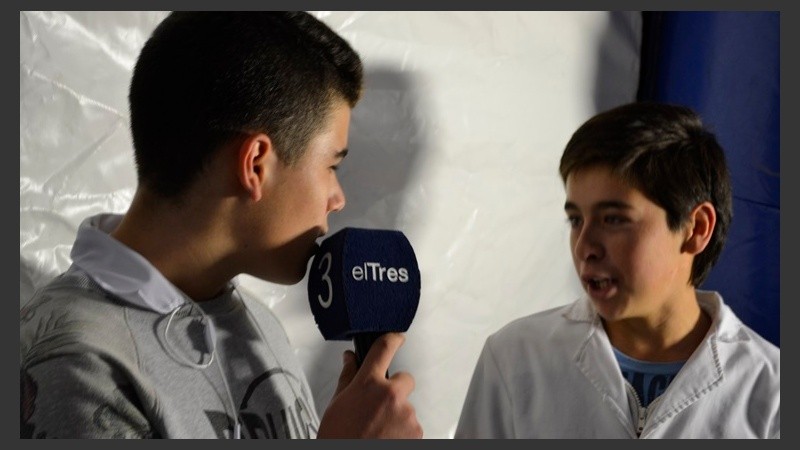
456	143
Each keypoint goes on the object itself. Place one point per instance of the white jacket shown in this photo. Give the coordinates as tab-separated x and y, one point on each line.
553	375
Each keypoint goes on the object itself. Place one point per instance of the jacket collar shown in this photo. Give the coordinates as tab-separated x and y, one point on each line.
701	373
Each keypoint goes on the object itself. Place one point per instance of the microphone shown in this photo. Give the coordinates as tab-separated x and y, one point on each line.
362	284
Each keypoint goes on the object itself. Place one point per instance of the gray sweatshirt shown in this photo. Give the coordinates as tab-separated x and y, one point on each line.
110	349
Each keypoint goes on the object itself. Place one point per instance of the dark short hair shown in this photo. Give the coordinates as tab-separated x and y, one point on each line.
667	153
205	78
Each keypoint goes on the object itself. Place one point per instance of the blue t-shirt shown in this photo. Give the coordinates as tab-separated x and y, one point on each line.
649	379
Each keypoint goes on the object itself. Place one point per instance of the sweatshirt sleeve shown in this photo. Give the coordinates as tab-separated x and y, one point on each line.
487	410
78	396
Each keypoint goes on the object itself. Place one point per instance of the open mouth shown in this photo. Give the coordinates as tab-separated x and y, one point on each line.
600	287
599	283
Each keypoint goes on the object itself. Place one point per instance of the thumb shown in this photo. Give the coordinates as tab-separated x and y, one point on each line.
349	370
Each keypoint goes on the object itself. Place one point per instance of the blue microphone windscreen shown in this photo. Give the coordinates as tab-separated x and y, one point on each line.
364	280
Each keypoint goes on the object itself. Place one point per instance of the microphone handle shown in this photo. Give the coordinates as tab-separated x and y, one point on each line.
362	343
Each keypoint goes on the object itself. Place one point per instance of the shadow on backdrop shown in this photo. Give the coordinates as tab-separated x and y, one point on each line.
387	137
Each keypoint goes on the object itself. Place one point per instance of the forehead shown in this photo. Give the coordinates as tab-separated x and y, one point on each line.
595	184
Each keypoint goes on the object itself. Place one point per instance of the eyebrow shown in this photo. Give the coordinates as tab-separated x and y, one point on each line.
606	204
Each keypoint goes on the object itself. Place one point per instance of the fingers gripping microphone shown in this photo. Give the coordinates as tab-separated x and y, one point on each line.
363	283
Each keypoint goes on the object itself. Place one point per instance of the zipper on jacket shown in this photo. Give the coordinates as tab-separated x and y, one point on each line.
641	411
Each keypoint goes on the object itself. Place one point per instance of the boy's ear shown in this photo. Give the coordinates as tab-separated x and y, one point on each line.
699	228
253	166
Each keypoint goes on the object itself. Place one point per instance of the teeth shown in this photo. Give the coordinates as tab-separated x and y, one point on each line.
601	283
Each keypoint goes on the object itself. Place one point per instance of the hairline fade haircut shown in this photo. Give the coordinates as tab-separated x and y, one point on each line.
667	153
205	78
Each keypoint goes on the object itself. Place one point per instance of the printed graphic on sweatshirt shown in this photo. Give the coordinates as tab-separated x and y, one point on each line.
273	407
28	312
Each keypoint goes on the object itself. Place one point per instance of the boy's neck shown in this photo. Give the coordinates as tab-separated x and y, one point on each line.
181	243
672	335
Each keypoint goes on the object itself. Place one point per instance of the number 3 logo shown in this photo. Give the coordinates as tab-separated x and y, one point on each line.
327	302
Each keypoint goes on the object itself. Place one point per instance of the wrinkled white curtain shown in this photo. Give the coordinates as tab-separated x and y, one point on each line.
456	143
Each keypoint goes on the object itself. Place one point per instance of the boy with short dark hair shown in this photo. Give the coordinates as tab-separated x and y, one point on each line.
239	121
645	353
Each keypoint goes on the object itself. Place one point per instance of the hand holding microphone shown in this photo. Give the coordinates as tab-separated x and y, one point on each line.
364	285
366	404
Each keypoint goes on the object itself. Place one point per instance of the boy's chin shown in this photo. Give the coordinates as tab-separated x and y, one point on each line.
285	279
286	276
